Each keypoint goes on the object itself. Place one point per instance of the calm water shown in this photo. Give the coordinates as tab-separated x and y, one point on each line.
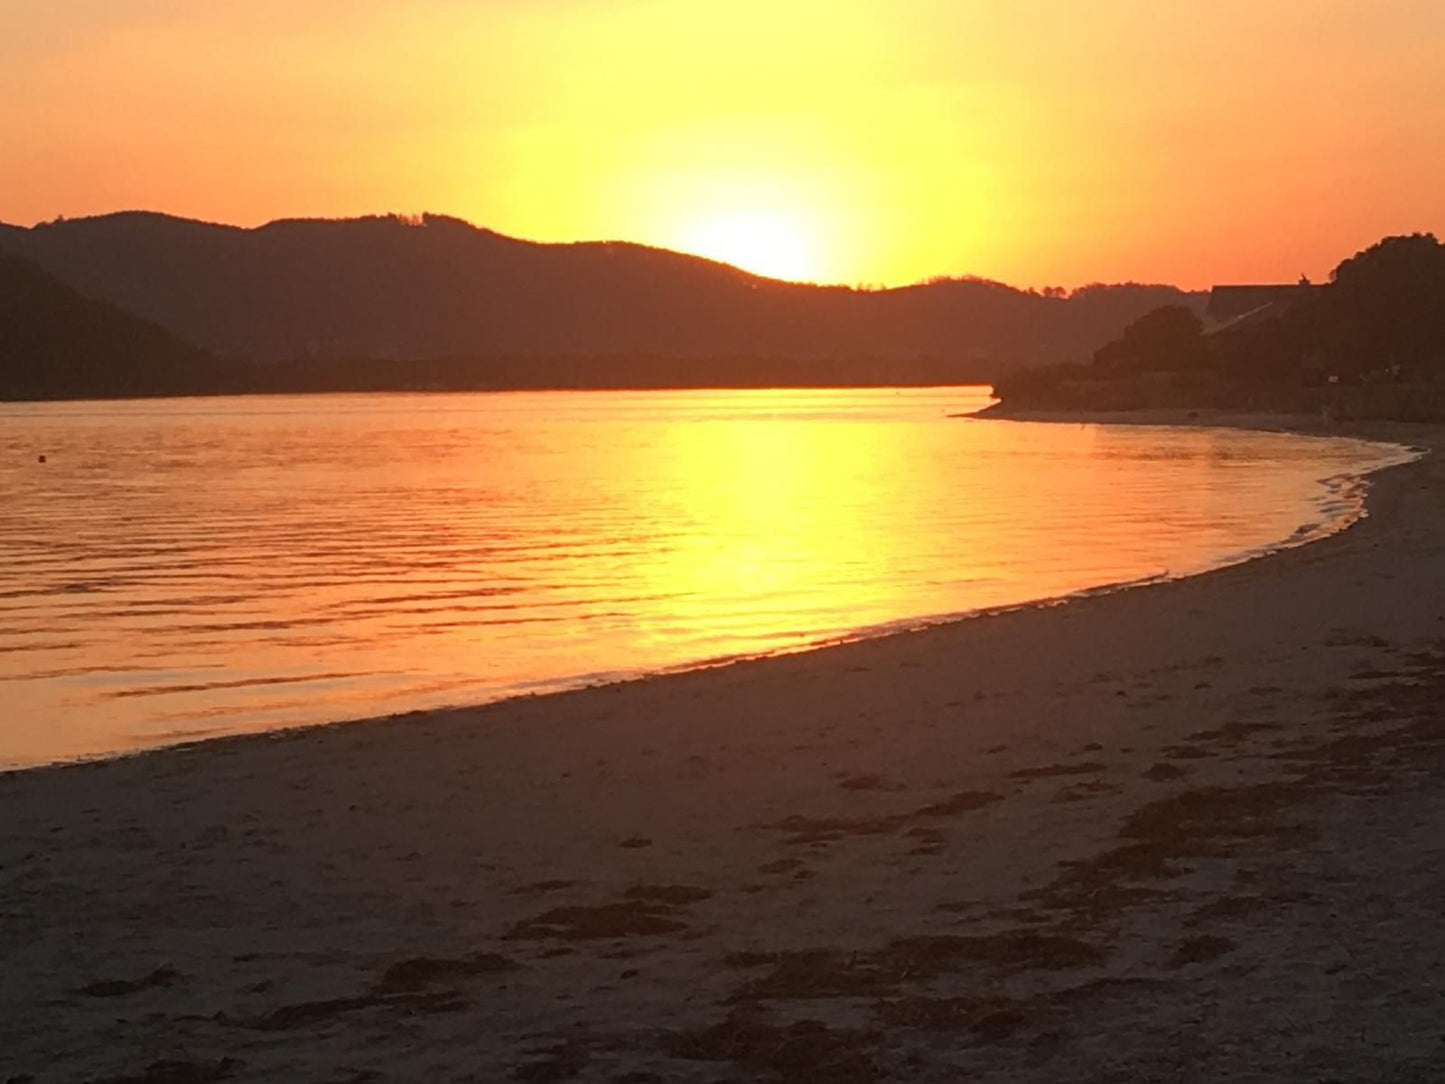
185	568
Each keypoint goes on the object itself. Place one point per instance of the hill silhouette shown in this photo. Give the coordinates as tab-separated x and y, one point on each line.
1370	343
54	343
393	288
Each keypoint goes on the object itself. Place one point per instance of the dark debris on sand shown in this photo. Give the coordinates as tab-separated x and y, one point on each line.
644	911
802	1051
177	1072
800	829
161	976
419	972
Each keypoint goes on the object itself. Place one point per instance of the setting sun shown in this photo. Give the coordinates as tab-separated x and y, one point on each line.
864	142
764	242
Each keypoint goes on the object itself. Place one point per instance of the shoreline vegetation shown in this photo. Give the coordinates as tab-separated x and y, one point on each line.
1187	829
1369	344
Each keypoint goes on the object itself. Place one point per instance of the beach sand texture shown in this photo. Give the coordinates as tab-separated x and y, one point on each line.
1188	831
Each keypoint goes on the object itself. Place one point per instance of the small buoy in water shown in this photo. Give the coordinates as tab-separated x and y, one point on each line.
42	459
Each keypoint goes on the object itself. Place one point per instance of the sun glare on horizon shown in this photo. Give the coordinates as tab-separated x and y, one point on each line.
878	142
770	243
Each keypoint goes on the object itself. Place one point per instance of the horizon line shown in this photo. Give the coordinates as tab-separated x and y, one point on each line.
418	220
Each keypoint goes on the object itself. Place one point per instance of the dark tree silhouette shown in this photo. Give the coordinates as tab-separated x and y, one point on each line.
1169	338
1386	310
1370	343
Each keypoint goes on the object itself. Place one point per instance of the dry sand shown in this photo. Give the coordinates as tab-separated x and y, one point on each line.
1184	832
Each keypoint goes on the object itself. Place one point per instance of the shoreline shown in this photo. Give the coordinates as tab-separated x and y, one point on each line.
1186	829
1305	534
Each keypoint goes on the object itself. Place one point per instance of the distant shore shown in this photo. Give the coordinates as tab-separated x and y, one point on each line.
1189	830
1312	424
368	376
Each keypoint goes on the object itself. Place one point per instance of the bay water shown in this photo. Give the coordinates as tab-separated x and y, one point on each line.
187	568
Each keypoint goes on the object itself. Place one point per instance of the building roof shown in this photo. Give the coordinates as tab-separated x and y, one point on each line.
1230	302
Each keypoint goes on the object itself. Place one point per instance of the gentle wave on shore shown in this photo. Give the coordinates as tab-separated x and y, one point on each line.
184	569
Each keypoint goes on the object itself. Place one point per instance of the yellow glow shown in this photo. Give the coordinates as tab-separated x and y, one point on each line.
506	542
898	139
765	242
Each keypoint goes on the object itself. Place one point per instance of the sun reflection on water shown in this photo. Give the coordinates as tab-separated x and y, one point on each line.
197	567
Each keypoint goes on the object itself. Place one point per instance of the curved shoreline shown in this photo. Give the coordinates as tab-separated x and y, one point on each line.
1185	830
1330	521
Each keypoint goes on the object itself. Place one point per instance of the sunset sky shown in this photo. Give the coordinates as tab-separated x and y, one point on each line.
856	141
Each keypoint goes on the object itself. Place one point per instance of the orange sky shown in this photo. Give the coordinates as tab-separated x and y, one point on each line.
858	141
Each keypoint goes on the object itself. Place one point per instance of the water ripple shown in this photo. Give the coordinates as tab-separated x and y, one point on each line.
189	568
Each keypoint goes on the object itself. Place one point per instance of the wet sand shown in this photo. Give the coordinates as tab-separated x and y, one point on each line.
1186	831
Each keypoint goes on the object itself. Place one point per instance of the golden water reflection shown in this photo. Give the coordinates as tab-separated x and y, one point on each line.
193	567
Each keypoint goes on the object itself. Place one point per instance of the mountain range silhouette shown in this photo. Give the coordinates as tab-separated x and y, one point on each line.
392	288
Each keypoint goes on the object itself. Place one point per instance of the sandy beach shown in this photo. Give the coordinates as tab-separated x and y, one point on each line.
1190	831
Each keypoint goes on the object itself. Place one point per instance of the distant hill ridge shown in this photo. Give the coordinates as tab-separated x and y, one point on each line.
54	343
392	287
